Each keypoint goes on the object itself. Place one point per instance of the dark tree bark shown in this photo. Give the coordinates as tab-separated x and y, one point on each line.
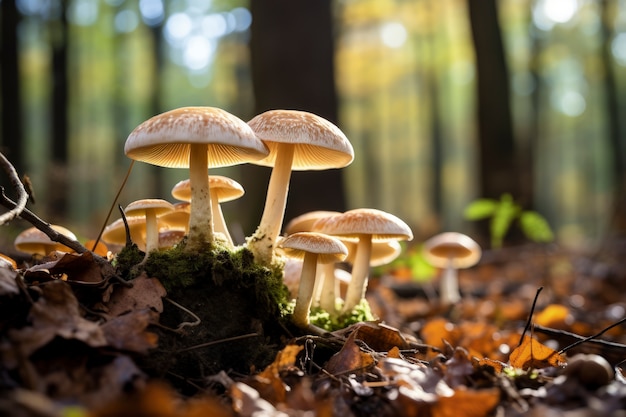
12	140
498	159
617	140
292	58
59	117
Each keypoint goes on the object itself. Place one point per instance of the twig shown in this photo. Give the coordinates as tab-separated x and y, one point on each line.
595	336
30	217
119	191
530	316
215	342
19	187
186	310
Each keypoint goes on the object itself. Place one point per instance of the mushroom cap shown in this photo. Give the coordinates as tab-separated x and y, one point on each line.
352	224
177	219
304	222
165	139
33	240
383	252
7	262
328	248
319	144
100	249
453	247
225	188
115	233
170	238
140	207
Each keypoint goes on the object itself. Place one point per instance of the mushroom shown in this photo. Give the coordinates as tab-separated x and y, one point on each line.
177	219
150	208
325	279
451	251
221	189
37	243
196	138
313	248
296	140
363	226
7	262
115	233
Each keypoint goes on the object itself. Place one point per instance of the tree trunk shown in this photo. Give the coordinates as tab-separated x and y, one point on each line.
292	58
58	176
498	159
11	140
617	141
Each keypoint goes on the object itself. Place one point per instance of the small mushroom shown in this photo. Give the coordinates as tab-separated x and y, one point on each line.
313	248
177	219
363	226
35	242
7	262
297	141
196	138
114	234
221	189
150	208
451	251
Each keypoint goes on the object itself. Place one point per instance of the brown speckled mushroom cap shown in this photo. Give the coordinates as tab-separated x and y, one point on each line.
457	249
350	225
319	143
34	241
225	188
327	248
165	139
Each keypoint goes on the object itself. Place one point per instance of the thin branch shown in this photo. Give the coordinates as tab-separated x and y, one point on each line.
19	187
30	217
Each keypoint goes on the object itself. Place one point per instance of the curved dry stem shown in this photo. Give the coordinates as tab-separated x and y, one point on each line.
22	195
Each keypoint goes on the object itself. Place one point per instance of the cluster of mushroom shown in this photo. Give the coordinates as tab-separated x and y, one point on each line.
201	138
362	237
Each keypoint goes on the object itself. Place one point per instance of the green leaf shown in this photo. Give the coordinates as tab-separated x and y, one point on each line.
506	211
535	227
480	209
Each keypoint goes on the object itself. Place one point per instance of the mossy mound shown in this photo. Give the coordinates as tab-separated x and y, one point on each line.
239	304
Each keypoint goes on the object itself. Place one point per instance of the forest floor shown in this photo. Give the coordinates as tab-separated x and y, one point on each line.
61	356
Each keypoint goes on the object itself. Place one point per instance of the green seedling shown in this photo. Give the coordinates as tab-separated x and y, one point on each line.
503	213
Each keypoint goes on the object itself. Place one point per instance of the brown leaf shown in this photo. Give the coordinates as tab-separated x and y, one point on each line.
269	383
128	332
467	403
55	313
533	354
73	267
380	337
350	358
145	293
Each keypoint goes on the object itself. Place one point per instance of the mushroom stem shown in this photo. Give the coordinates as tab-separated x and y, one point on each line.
328	295
263	242
200	219
449	285
305	291
360	272
152	232
218	219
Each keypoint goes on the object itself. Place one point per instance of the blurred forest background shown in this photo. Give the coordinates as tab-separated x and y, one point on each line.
444	101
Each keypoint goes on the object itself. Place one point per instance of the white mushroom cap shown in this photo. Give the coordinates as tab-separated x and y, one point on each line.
383	252
457	249
226	189
319	144
150	208
304	222
115	233
34	241
177	219
352	224
327	248
165	139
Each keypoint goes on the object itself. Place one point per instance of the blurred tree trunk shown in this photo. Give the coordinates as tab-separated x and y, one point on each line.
58	175
292	58
617	141
12	140
500	170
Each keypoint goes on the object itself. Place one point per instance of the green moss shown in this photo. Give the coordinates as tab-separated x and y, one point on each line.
321	318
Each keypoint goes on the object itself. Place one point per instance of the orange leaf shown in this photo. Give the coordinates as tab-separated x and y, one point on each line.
552	316
532	354
467	403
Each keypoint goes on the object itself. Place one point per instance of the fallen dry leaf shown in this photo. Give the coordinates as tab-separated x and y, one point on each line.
143	293
535	355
